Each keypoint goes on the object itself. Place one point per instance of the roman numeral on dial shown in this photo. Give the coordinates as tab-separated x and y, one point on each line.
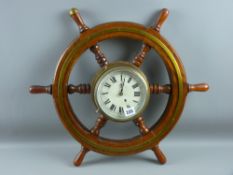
137	94
107	101
113	107
129	80
113	79
107	85
135	85
121	110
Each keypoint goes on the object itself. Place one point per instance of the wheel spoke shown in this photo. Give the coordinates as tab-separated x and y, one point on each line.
80	156
138	60
159	154
201	87
100	122
157	89
161	19
37	89
99	55
141	125
81	88
144	130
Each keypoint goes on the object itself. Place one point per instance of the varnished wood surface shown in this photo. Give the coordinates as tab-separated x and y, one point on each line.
161	19
141	125
99	55
139	58
100	122
80	157
74	13
159	154
157	89
81	88
37	89
201	87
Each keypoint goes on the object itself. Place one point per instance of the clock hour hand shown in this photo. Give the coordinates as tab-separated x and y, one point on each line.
122	87
121	91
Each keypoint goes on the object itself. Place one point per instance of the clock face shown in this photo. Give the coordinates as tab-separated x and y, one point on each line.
121	92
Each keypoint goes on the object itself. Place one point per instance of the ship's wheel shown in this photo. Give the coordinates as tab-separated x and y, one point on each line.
120	90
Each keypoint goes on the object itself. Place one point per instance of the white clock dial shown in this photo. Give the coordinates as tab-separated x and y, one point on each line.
121	93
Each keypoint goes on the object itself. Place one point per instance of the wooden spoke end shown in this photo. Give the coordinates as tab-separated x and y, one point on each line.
81	88
201	87
80	157
74	13
157	89
35	89
161	19
159	154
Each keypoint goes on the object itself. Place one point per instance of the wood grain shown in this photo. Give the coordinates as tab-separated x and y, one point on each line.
201	87
161	19
81	88
80	157
37	89
157	89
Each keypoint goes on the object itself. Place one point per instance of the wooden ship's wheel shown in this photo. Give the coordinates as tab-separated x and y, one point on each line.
120	90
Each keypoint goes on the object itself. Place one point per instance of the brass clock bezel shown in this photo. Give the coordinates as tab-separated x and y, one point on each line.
119	65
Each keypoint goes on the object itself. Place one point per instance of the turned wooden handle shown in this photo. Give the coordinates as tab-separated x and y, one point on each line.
99	55
81	88
74	13
138	60
141	125
201	87
36	89
161	19
79	158
100	122
157	89
159	154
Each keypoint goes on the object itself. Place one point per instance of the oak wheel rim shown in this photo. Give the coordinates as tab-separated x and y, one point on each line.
174	106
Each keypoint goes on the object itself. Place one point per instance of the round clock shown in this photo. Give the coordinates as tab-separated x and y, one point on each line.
120	90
